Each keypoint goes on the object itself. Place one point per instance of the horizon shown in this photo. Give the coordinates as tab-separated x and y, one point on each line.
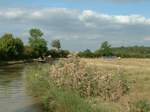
78	24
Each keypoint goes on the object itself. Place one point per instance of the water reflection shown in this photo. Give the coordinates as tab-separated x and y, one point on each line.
13	97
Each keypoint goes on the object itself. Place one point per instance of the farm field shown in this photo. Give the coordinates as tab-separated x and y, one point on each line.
137	72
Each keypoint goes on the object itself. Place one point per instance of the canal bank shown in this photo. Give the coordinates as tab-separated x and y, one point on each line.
5	63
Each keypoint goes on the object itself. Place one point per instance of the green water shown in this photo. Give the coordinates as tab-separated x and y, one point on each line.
13	95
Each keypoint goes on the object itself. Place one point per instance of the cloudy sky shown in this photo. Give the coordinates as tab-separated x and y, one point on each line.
79	24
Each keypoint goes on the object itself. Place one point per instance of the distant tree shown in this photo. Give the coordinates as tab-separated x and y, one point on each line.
58	53
36	33
87	54
98	53
64	53
106	49
54	53
56	44
38	43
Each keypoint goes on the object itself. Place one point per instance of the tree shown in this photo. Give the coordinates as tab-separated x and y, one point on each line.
56	44
10	47
106	49
87	53
19	47
36	33
38	43
28	52
7	46
56	52
64	53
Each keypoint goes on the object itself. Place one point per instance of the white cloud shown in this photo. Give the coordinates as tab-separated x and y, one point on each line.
127	19
77	27
147	38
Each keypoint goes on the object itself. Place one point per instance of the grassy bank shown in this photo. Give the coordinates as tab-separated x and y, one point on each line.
2	63
91	85
53	99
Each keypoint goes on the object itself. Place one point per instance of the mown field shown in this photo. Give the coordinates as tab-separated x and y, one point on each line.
92	85
137	72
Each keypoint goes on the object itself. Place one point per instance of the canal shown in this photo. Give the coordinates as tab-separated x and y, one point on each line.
13	95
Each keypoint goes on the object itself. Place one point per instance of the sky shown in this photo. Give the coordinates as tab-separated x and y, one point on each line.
79	24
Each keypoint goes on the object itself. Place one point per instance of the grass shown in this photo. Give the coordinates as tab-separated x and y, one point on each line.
68	86
52	98
137	70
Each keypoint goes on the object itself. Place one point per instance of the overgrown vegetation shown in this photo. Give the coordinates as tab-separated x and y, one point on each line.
72	85
53	99
92	85
88	81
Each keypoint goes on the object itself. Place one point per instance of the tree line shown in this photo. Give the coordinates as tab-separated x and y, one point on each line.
106	50
13	48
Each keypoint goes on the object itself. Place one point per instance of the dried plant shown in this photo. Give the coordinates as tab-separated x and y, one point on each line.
87	80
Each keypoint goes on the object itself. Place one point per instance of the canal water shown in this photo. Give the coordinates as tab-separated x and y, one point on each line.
13	95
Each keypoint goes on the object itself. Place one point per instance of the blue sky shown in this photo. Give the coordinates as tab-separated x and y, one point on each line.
107	6
121	22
